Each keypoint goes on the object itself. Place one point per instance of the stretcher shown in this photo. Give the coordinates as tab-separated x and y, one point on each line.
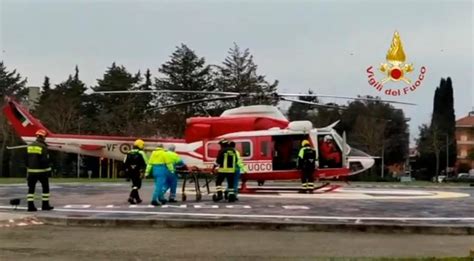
193	175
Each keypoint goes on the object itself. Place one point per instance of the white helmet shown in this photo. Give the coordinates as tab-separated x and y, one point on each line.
327	138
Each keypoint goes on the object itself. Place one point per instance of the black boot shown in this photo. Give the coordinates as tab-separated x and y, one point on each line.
131	201
138	200
217	197
232	197
46	206
31	206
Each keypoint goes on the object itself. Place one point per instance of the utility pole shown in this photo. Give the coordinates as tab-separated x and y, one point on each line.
79	155
447	154
383	157
383	147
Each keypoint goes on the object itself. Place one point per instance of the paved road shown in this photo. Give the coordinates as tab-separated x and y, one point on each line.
43	242
453	206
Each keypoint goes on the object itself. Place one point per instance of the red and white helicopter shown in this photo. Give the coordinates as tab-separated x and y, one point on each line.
267	141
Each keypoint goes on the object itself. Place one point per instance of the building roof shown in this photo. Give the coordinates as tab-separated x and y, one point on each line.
467	121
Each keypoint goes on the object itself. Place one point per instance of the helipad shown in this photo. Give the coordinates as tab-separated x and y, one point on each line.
347	205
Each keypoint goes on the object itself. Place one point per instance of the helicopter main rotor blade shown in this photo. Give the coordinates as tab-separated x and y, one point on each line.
165	91
313	103
342	97
197	101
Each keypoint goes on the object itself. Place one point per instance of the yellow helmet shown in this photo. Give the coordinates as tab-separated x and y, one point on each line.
139	144
305	142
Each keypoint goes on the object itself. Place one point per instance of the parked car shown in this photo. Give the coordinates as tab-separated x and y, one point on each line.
463	177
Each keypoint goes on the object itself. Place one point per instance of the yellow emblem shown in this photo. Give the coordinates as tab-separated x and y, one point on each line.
395	69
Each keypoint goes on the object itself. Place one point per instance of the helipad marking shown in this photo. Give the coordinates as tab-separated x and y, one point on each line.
206	206
270	216
141	206
354	194
347	218
77	206
295	207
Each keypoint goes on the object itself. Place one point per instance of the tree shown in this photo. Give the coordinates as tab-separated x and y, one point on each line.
238	73
374	125
433	142
46	85
470	155
324	116
14	85
61	108
301	111
184	72
115	113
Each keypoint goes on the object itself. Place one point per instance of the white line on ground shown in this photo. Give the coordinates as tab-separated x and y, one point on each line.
353	218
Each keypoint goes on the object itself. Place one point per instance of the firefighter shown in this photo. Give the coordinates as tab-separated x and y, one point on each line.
239	170
307	164
226	163
159	165
172	177
135	165
38	169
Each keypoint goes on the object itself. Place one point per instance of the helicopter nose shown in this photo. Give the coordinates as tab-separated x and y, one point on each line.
359	161
367	162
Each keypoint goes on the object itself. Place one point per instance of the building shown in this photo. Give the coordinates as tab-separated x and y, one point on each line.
465	140
34	94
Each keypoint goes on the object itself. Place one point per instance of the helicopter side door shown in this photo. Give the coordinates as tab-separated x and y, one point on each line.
285	150
329	150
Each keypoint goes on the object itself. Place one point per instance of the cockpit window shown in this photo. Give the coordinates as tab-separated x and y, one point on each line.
244	148
339	140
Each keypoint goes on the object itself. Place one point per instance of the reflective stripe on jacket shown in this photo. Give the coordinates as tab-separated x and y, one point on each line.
227	161
38	158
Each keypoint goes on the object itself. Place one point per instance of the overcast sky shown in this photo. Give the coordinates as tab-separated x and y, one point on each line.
325	46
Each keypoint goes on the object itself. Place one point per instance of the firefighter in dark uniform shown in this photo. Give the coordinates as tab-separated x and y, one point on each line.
226	163
38	169
135	166
307	164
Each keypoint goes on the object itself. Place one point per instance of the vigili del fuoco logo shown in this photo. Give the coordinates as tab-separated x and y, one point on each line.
395	70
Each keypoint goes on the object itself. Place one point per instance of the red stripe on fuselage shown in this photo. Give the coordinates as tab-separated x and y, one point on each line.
295	174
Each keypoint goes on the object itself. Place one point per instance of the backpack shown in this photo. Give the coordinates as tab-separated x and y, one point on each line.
309	159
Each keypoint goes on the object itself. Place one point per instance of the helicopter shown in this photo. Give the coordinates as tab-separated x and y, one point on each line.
268	143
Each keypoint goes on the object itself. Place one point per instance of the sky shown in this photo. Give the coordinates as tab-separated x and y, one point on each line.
325	46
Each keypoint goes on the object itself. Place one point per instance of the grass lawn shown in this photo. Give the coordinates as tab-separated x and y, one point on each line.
406	259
